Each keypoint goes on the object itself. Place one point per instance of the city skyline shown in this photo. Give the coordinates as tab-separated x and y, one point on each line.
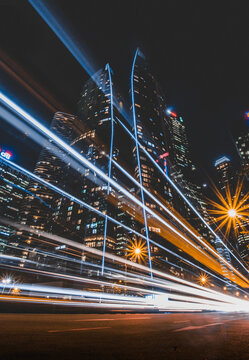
196	123
124	181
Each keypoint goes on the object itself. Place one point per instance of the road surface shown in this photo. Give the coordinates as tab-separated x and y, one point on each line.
210	336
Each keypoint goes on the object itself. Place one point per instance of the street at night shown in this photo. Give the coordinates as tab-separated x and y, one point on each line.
210	336
124	180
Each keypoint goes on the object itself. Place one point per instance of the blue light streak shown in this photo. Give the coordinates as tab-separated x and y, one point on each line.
138	157
188	287
77	52
110	160
64	35
185	199
79	157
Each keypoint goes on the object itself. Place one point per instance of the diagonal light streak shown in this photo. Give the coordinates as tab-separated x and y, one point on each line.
138	159
76	50
41	128
184	197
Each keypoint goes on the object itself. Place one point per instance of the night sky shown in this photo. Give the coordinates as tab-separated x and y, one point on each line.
198	50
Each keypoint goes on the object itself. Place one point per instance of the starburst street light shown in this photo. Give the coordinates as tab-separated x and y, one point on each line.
137	251
203	279
232	212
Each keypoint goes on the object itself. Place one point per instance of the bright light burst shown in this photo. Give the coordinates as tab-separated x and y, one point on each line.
204	279
232	212
137	250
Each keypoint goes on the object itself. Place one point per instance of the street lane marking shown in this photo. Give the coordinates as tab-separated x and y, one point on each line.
197	327
81	329
120	319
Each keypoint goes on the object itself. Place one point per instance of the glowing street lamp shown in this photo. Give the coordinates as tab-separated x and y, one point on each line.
232	213
137	251
203	279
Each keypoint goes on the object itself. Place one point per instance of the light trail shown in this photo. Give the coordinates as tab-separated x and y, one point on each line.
167	285
138	160
156	200
64	35
83	160
110	160
121	273
53	187
70	42
184	286
241	305
79	157
76	50
86	163
160	300
183	196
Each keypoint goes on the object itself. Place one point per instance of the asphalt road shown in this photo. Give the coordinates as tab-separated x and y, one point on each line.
210	336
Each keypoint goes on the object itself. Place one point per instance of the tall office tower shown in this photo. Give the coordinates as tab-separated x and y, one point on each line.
13	189
103	142
182	170
44	209
224	172
243	243
184	173
179	145
150	126
242	143
240	132
151	129
51	166
241	136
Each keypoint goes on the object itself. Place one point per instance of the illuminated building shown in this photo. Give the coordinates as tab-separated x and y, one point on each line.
13	189
241	136
185	175
164	138
240	132
242	143
102	142
44	209
151	126
52	167
179	145
243	243
224	172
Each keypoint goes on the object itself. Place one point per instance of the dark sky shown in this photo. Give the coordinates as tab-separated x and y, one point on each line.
198	50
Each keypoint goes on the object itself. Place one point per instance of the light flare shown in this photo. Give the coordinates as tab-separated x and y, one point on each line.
137	251
232	211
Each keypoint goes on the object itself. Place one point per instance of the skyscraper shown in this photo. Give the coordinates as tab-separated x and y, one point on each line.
13	189
44	209
103	143
224	172
149	125
164	138
241	137
179	145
